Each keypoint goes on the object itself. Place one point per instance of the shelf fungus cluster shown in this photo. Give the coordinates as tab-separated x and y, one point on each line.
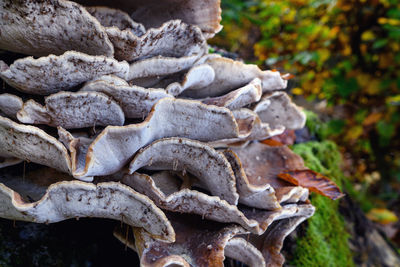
123	114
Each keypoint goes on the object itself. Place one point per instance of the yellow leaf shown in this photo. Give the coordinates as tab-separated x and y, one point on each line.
393	100
346	51
395	46
367	36
364	100
315	90
290	16
354	132
385	60
325	74
386	3
302	45
297	91
382	216
372	87
324	54
334	31
363	79
372	118
299	2
390	21
260	52
345	6
344	38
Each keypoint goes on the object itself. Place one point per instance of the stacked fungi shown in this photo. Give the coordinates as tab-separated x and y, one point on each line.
123	114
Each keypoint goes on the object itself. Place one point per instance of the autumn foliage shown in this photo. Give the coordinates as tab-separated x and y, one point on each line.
345	56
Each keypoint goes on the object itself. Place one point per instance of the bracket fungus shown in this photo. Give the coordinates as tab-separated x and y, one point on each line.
51	74
173	39
163	136
136	101
72	110
110	17
180	154
40	28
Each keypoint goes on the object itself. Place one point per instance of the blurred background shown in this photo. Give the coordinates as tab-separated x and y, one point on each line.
345	59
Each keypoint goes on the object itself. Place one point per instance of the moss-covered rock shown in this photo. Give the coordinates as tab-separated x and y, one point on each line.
325	242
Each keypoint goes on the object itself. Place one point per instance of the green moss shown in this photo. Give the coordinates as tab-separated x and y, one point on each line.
325	242
323	157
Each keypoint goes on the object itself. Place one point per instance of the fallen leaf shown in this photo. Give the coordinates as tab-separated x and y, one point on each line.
382	216
372	118
272	142
314	181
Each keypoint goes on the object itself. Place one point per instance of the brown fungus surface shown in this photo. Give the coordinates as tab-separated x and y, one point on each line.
198	242
153	13
262	196
201	242
261	165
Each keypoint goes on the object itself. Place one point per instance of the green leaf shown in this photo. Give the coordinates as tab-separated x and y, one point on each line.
346	87
394	13
379	43
386	132
332	128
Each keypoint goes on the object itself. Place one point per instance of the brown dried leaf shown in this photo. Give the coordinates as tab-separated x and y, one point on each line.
271	142
314	181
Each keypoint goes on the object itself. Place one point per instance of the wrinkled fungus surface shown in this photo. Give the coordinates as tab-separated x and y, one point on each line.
126	116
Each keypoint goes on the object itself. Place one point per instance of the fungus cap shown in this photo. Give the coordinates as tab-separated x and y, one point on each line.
40	28
51	74
73	110
58	197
